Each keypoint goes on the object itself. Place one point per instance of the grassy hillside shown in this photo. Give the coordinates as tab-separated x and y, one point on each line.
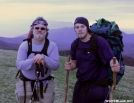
124	90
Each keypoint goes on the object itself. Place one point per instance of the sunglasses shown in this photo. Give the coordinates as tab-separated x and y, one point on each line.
42	28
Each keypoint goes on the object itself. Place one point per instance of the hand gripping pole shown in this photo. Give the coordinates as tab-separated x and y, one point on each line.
114	81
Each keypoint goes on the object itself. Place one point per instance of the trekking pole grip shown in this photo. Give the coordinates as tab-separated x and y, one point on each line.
67	77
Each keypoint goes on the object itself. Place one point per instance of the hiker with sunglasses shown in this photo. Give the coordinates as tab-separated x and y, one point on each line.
36	58
92	83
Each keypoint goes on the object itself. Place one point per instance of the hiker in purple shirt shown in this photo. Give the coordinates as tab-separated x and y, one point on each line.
35	66
91	71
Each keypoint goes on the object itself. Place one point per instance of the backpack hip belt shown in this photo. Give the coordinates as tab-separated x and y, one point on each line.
24	79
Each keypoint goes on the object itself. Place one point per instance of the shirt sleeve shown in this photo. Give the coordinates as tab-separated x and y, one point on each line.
23	63
104	50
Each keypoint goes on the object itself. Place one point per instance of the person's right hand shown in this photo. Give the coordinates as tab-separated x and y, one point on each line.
39	58
67	66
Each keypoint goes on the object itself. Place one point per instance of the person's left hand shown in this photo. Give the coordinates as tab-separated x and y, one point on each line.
39	58
115	67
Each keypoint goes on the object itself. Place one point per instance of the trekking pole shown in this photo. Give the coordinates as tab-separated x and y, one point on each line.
37	81
67	76
114	81
35	89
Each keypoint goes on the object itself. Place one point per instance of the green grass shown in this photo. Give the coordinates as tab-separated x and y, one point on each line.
124	90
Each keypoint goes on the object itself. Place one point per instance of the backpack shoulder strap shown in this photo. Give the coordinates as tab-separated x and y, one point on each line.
29	42
44	50
76	43
93	42
94	46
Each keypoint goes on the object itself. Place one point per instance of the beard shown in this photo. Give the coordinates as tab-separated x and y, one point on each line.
39	37
82	37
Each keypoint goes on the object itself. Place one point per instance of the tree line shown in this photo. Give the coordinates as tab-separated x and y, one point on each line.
129	61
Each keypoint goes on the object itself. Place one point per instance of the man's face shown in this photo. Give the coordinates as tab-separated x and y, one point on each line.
81	30
39	32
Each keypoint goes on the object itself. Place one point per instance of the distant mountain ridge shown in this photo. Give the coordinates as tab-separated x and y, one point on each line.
63	37
5	45
15	40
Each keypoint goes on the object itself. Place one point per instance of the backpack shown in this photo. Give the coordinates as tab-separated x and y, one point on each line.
111	33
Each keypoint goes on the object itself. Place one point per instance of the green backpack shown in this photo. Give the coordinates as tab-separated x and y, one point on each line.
112	34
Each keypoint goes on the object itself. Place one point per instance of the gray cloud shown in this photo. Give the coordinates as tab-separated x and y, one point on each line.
121	11
119	5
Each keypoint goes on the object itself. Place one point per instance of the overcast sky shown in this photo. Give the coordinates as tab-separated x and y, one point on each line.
17	15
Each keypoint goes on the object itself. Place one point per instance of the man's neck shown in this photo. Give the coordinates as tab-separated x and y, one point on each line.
38	42
86	38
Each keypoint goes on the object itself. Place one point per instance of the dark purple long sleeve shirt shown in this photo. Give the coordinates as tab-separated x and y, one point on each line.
90	68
